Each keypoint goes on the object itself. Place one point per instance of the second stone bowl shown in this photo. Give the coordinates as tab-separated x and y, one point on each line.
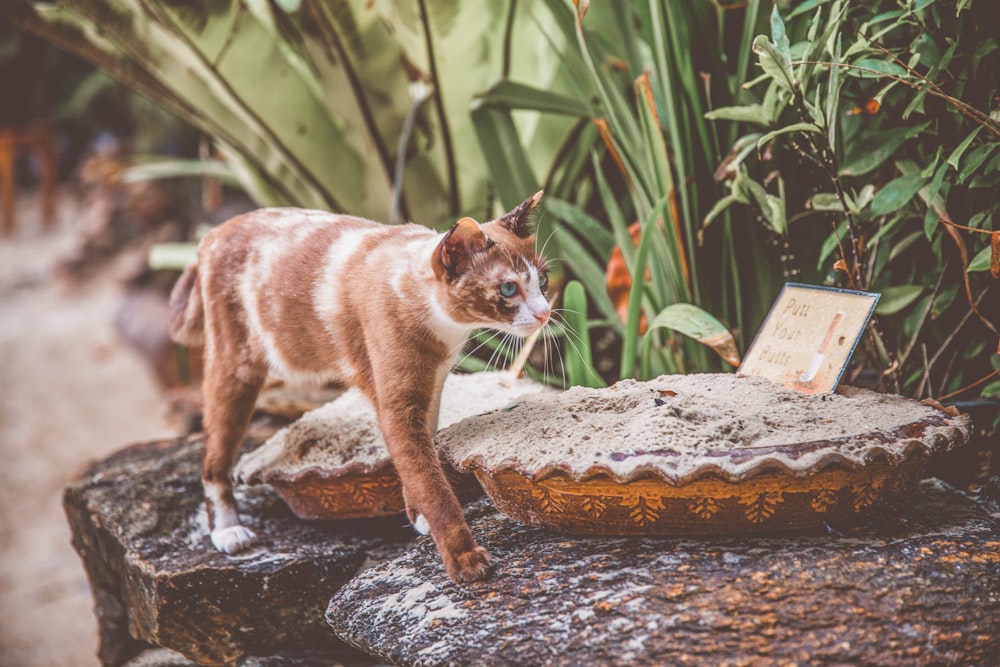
700	455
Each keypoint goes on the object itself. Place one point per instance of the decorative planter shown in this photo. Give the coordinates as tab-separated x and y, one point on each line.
700	455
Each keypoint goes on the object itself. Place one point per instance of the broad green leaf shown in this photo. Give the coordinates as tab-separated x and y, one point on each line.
825	201
750	113
779	36
774	64
878	148
696	323
981	262
897	193
896	298
875	68
991	390
975	159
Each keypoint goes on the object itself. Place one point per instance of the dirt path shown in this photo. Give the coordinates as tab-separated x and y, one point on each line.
70	392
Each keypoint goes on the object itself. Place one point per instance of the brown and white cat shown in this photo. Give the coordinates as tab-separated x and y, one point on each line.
309	296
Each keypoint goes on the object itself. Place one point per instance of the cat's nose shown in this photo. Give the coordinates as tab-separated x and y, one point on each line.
542	315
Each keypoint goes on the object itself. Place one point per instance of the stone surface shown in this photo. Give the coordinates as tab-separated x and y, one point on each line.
139	527
918	588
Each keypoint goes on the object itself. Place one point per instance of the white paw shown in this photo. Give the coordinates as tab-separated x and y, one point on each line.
421	525
232	539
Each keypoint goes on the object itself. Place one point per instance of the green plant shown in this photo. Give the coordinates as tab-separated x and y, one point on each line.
308	101
641	152
875	160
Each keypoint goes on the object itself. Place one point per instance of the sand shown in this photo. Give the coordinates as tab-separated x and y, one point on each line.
678	427
70	393
343	435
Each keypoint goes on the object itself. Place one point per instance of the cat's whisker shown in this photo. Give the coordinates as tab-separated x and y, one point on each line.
572	337
492	336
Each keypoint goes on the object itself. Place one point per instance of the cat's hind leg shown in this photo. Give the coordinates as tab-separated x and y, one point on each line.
230	395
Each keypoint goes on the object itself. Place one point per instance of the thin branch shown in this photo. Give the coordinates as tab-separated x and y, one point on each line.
967	387
966	109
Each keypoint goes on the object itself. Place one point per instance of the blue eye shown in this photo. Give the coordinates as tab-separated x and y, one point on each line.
508	289
543	281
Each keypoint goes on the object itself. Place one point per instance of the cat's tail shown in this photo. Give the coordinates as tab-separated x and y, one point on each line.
187	312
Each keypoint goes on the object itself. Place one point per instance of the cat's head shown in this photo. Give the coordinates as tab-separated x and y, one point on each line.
490	274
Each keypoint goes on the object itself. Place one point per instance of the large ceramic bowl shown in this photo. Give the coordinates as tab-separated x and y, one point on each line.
333	463
699	455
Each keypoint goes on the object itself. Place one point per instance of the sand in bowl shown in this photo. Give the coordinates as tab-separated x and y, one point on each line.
332	463
699	454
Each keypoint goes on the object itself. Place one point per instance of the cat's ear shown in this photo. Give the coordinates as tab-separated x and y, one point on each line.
518	221
463	240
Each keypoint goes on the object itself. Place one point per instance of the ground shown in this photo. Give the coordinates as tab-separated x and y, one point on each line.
70	392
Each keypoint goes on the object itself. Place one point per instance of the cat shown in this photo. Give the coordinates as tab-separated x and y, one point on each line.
309	296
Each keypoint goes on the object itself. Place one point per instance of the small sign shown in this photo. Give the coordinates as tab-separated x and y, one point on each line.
809	336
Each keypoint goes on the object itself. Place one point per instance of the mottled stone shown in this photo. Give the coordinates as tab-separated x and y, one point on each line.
918	588
139	527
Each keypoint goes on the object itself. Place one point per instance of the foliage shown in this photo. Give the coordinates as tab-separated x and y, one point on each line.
873	157
642	78
856	144
308	101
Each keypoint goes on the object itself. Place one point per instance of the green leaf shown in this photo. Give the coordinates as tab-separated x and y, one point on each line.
897	193
779	36
579	360
696	323
877	148
975	160
509	164
825	201
180	168
508	94
774	64
172	256
867	68
587	226
796	127
750	113
981	262
721	206
896	298
991	390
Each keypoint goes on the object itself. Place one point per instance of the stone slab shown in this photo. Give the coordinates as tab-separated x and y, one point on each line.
918	588
139	527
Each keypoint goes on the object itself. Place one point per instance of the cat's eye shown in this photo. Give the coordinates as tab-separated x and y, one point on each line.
543	281
508	289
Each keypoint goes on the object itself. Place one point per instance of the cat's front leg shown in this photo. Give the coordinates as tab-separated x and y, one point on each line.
403	418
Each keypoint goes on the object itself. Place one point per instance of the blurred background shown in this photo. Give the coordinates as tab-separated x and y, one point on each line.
717	149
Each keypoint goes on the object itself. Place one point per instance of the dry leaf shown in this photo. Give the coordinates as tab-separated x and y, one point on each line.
619	280
840	265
